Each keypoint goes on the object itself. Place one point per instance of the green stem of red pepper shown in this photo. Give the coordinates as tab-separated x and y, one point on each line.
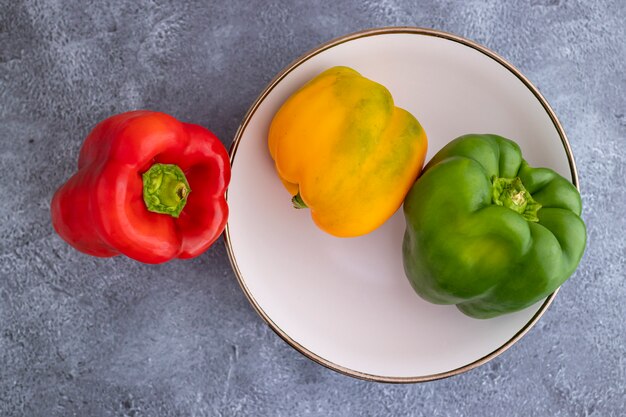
165	189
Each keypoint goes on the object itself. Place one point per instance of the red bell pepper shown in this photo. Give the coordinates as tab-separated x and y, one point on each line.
148	187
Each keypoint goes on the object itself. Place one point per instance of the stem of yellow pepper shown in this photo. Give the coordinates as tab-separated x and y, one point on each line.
298	202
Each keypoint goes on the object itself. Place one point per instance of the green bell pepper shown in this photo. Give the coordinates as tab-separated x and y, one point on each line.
487	232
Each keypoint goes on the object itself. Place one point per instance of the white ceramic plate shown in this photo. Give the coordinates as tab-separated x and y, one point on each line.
346	303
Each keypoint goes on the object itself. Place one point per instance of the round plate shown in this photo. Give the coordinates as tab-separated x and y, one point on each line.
346	303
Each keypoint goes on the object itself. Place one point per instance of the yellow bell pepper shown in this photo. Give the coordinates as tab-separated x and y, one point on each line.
343	149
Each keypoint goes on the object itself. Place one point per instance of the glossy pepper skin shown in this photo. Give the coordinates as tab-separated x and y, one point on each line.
344	150
478	238
101	210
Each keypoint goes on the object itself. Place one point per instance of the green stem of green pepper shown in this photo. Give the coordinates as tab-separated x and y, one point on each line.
510	193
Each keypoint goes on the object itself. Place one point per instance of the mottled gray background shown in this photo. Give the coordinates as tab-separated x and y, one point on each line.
81	336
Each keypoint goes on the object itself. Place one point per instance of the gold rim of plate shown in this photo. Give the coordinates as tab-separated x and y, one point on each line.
233	152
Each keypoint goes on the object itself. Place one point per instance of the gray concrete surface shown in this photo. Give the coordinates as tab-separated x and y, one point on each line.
81	336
